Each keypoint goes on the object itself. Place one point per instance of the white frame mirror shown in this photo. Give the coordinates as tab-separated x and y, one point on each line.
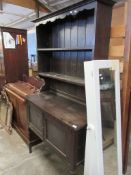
94	163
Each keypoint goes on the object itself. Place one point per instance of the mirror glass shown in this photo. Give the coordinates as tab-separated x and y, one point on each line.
108	119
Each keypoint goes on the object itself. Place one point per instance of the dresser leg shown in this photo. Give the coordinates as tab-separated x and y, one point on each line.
30	148
30	138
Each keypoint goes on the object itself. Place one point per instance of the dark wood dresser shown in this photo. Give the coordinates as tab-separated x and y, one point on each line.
65	39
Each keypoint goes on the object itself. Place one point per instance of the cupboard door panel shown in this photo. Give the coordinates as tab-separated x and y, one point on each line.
56	135
36	119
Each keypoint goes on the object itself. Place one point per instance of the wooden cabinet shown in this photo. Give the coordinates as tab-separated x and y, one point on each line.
19	114
13	58
65	39
16	93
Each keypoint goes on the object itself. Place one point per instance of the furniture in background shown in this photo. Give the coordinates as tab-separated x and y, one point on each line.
13	54
2	82
17	92
2	69
6	111
120	48
65	39
128	136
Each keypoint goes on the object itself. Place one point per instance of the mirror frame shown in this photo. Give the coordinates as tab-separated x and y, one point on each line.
94	147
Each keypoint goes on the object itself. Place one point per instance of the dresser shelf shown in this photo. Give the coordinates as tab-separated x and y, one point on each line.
64	78
65	49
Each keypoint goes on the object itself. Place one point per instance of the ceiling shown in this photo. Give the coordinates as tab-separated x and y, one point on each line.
20	13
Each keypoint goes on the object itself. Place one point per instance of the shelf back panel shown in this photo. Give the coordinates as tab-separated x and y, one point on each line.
70	32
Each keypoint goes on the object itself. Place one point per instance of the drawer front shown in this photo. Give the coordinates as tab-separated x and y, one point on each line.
36	120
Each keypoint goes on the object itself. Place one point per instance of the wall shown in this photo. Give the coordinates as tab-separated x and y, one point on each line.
31	39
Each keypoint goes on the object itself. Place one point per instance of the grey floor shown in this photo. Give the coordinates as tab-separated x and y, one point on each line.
15	159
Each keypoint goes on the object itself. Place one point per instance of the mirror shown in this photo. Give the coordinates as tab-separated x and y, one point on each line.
103	152
2	69
108	119
6	110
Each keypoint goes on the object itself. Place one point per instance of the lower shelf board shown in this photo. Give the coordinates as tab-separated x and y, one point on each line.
61	77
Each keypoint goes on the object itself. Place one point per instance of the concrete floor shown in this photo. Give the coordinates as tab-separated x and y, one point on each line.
15	159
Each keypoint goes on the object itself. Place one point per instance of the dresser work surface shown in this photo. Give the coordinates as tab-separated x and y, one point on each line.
70	113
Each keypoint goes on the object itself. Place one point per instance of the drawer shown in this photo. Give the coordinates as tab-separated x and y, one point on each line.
36	120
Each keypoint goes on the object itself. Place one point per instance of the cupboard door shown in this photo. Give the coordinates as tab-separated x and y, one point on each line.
36	121
56	135
15	59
